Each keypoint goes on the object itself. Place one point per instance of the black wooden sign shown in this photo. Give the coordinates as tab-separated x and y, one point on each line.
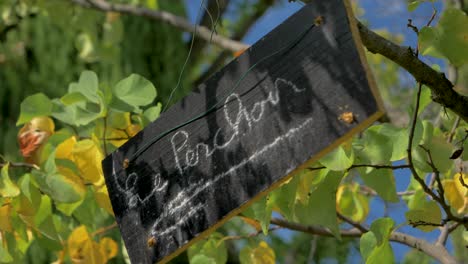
294	95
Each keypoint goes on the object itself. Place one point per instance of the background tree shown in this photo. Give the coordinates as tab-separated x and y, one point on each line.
72	61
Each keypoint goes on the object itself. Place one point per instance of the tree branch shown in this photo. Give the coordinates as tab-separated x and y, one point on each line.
166	17
436	251
441	87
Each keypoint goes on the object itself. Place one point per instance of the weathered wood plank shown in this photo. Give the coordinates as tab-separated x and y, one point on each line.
277	110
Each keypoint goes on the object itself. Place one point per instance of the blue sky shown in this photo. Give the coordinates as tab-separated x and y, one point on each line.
380	14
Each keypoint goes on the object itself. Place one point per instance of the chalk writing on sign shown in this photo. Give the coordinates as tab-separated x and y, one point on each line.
186	156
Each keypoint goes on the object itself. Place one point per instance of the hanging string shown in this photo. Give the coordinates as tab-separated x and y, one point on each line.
179	80
214	107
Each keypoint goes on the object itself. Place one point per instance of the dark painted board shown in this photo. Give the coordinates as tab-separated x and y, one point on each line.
282	114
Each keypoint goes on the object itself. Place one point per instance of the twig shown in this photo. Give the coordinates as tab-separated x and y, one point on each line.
391	167
20	165
103	230
166	17
254	234
437	252
435	172
357	225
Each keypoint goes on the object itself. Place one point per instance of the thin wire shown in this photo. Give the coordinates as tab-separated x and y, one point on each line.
186	59
214	107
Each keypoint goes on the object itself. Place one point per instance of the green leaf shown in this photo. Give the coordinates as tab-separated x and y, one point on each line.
43	219
367	244
382	228
448	38
321	208
151	114
428	213
72	98
399	137
285	197
375	247
374	147
413	5
62	188
213	248
425	98
7	187
262	210
337	160
34	105
382	254
202	259
383	182
88	86
135	91
5	256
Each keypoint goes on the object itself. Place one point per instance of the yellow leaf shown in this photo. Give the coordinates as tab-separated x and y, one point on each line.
263	254
133	129
92	253
87	157
76	242
5	218
64	149
43	123
350	202
116	137
109	247
102	197
456	193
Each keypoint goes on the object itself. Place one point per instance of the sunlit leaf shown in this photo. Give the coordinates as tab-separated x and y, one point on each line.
135	91
399	137
456	193
109	247
375	246
448	38
34	105
426	217
102	199
64	149
367	244
87	157
151	114
337	160
352	203
7	187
